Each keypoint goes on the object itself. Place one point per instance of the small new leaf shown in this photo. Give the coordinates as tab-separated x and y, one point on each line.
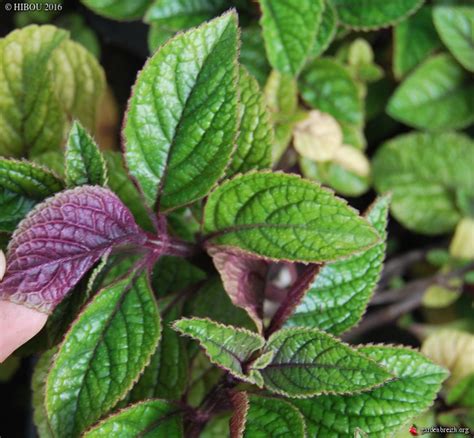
60	240
226	346
104	352
308	362
181	123
281	216
84	162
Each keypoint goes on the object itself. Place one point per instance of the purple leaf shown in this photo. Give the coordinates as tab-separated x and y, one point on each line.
244	277
60	240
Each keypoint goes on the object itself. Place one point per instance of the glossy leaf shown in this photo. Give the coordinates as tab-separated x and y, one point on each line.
436	96
454	24
308	362
422	171
328	86
60	240
244	278
340	294
22	186
326	31
60	80
381	411
225	346
252	53
84	162
414	39
259	416
118	9
273	214
182	117
289	28
172	11
255	138
371	14
103	353
150	418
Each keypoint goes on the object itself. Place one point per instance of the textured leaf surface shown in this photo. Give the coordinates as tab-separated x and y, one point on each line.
151	418
307	362
182	117
326	31
282	216
166	376
422	171
380	411
268	417
373	14
59	241
436	96
45	79
414	39
103	353
328	86
84	162
176	10
289	28
244	278
252	53
455	26
22	186
255	138
339	295
226	346
118	9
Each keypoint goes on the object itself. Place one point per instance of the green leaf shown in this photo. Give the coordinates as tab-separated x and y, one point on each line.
423	172
150	418
101	356
326	31
166	376
455	24
27	91
121	184
372	14
84	162
436	96
252	53
182	118
282	216
255	138
118	9
414	39
381	411
226	346
267	417
45	81
22	186
80	31
308	362
340	294
289	29
327	85
38	386
52	160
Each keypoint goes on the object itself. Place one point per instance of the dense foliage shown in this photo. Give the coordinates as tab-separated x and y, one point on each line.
196	282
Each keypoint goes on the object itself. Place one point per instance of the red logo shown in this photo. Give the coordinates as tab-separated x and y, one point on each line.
413	430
